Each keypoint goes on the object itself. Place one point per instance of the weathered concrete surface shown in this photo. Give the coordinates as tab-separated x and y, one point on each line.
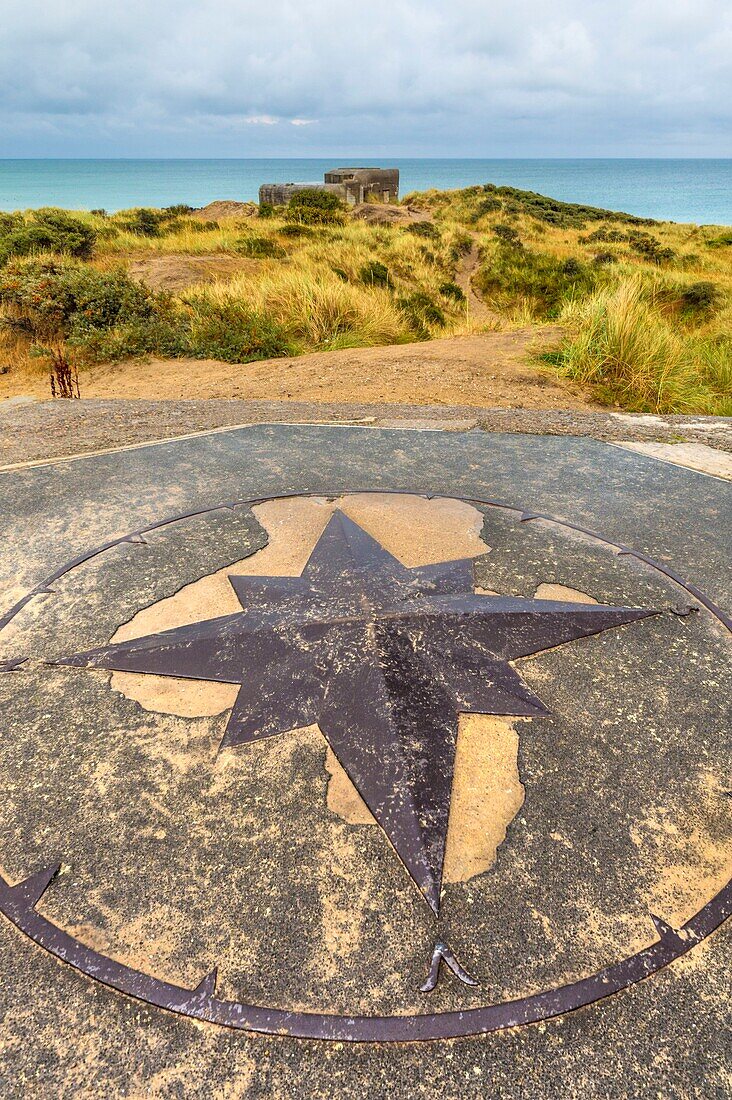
33	430
175	860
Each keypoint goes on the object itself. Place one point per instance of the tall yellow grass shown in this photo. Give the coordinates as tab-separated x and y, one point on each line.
319	313
635	356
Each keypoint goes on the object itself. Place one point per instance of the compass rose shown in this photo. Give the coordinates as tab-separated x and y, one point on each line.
384	658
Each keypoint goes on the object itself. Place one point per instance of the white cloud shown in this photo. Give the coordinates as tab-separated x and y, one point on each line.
421	76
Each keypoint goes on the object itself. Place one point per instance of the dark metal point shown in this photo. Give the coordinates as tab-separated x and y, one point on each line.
31	890
663	928
442	953
207	986
12	664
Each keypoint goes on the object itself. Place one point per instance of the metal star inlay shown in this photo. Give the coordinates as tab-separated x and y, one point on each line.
384	658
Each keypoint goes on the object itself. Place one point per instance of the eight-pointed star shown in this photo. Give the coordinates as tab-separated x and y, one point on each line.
383	658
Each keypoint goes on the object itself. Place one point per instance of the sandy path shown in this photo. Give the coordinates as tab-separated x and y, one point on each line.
491	370
478	312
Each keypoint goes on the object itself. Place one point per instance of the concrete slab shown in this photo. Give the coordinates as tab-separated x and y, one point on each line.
695	456
578	840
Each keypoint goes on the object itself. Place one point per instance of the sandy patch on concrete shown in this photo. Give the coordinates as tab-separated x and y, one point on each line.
343	798
487	793
694	456
562	592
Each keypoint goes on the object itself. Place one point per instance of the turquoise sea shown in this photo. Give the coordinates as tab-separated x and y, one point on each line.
677	190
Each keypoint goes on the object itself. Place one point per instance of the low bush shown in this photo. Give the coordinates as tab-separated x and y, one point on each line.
507	235
724	240
296	231
46	230
650	248
604	235
108	316
143	222
58	299
422	313
452	290
485	206
426	230
374	273
197	226
311	207
702	297
693	302
516	276
260	248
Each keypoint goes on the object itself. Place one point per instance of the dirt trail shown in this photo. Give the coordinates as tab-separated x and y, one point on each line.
478	312
490	370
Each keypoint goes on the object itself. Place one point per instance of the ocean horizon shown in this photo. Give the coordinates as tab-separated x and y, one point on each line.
691	190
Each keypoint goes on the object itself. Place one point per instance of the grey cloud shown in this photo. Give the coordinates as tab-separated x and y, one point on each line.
421	76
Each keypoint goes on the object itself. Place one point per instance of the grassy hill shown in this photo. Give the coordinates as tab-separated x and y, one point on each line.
645	307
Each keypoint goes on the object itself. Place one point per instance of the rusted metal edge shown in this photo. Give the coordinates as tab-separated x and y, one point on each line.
18	902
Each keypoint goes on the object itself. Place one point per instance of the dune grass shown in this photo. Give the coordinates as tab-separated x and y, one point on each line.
638	358
646	308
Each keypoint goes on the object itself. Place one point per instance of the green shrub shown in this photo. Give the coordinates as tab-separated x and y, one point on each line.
701	297
602	258
105	315
266	210
427	230
260	248
197	226
232	331
46	230
422	312
507	235
695	301
178	210
311	207
485	206
452	290
650	248
723	241
374	273
515	275
58	299
144	222
603	234
294	229
10	222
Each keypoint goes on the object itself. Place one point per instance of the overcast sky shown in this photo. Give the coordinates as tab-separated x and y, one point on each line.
410	77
